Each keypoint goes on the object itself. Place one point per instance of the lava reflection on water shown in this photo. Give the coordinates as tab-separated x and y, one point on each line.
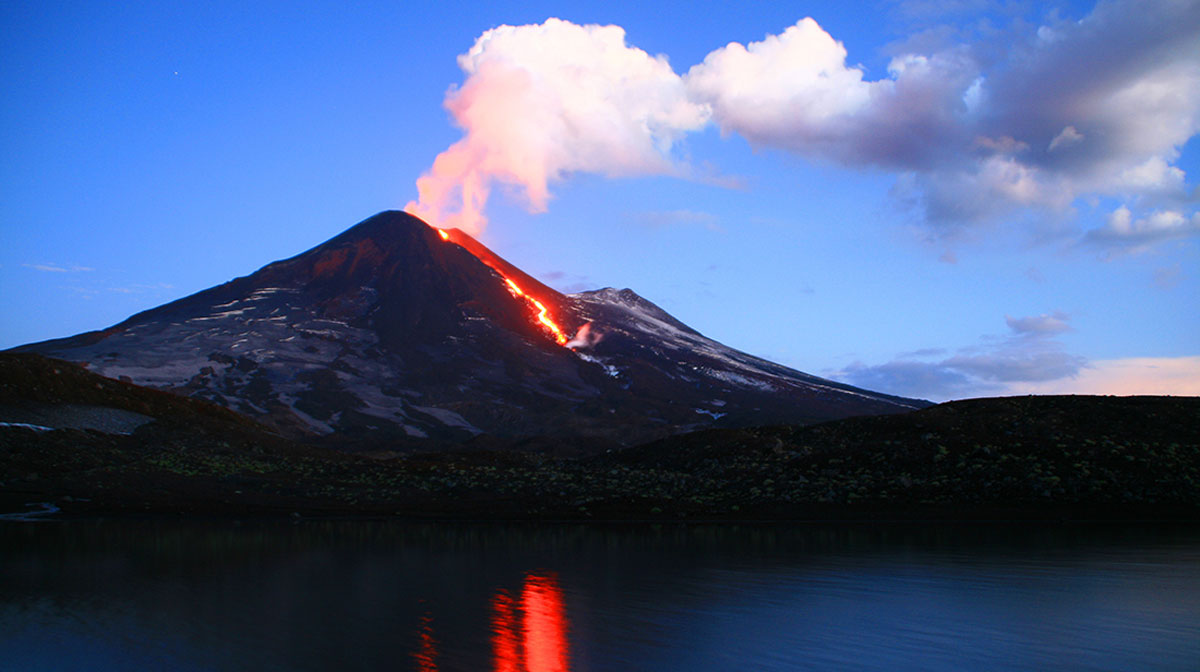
427	655
539	642
505	645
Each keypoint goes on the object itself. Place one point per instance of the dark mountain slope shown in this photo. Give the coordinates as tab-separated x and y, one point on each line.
390	330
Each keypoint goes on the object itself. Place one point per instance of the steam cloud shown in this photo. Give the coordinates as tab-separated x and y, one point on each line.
584	338
541	102
1021	118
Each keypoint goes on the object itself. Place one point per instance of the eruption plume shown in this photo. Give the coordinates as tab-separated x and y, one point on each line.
543	101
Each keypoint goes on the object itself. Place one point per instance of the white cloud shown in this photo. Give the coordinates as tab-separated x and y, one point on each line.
543	101
1014	119
1010	365
1069	136
1154	175
1124	234
56	268
684	217
795	91
1040	325
790	89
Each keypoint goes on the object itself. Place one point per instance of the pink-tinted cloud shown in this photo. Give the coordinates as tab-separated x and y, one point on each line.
543	101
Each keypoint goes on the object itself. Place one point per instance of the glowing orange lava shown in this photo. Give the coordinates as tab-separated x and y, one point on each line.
543	313
542	316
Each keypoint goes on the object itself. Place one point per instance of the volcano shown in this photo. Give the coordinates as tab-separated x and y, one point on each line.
398	329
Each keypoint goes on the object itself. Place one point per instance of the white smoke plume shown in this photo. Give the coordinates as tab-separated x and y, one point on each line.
543	101
584	338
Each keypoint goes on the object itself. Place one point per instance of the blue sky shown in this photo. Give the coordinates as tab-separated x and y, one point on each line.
938	199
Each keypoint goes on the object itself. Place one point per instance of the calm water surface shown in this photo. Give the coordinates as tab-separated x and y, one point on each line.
221	595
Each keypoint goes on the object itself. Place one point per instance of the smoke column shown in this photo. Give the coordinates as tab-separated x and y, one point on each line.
543	101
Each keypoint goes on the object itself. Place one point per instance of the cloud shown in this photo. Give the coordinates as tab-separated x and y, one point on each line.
1004	117
543	101
925	352
1029	361
1028	355
1168	277
1018	118
1014	365
946	380
1124	234
1155	176
1040	325
919	380
794	91
667	218
964	376
1111	97
55	268
94	291
1066	138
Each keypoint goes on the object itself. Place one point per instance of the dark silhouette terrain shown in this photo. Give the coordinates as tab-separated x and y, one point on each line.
1055	458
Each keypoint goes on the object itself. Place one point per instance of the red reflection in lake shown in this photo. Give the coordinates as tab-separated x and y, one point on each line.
539	642
505	645
426	655
545	625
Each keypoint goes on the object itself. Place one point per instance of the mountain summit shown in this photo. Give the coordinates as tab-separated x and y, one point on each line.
397	328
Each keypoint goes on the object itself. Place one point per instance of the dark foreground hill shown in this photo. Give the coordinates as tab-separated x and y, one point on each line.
1019	457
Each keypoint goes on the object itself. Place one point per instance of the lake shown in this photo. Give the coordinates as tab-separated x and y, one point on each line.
360	595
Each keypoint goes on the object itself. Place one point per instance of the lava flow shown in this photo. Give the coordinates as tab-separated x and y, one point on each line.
543	313
542	316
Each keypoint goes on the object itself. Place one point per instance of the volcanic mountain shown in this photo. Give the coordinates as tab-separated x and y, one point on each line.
395	328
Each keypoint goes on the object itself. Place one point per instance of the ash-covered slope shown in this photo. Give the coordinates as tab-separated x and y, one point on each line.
389	329
664	358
